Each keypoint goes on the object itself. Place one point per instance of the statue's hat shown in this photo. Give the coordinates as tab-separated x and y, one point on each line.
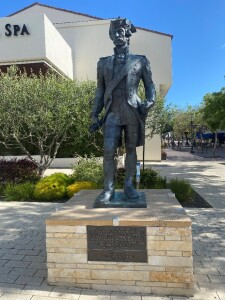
124	23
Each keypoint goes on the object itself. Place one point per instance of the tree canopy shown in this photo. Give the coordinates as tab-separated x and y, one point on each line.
38	113
213	110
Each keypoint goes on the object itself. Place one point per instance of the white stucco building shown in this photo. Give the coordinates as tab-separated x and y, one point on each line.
40	36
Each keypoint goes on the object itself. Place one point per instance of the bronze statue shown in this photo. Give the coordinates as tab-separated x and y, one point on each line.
118	77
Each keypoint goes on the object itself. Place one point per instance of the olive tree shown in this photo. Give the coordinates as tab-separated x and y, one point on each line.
40	111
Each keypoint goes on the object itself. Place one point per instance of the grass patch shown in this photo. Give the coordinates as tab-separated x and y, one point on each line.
182	189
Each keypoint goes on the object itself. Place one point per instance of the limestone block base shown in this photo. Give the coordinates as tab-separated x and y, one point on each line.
169	266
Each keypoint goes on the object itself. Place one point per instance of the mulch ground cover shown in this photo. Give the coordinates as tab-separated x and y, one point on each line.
196	201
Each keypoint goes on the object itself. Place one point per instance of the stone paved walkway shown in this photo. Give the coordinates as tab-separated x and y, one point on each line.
22	240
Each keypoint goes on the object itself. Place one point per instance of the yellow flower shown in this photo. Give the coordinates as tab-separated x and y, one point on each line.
80	185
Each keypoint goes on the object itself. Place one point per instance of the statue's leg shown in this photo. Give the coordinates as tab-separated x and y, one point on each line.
112	135
131	138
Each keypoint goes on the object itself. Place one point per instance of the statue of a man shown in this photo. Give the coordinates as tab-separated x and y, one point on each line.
118	77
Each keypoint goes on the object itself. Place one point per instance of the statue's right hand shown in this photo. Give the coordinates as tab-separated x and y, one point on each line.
96	124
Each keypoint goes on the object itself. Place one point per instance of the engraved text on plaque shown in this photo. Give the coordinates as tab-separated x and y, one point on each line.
117	243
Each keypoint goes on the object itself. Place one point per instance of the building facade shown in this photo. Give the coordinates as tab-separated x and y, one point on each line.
40	36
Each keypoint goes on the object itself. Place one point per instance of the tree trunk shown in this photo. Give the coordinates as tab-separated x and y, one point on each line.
215	143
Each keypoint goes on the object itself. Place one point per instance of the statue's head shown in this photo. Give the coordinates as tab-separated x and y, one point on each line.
120	31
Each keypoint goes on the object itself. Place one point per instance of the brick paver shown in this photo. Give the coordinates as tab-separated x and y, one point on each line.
22	240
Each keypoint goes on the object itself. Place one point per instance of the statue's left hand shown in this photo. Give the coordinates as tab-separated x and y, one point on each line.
144	107
149	104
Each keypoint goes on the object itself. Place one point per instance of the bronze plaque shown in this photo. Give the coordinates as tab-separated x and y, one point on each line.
116	243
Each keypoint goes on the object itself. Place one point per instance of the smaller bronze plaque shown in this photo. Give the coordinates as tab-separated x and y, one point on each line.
116	243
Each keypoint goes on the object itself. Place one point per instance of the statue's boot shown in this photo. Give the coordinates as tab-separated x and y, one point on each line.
129	190
109	190
106	196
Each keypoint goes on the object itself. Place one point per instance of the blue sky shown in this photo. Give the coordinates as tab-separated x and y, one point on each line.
198	27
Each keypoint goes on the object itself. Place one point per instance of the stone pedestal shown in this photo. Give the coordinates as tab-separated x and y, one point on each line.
168	265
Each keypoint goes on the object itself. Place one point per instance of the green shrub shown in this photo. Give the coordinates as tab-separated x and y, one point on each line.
52	187
150	179
181	188
19	192
80	185
60	177
88	169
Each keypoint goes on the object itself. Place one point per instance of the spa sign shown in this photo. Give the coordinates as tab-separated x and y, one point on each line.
15	30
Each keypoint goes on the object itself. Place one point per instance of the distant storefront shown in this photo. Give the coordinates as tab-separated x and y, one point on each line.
40	36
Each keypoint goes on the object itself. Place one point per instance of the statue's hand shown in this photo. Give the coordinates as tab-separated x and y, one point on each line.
144	107
149	104
96	124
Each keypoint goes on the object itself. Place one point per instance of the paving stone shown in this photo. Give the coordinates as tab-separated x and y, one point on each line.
8	278
29	252
10	256
221	295
211	286
11	288
24	247
221	271
3	262
119	296
37	290
66	294
206	253
9	296
45	284
45	298
5	270
36	265
202	258
94	295
206	271
9	251
179	298
205	296
17	264
217	279
213	264
29	280
161	298
198	264
201	278
34	258
41	273
23	271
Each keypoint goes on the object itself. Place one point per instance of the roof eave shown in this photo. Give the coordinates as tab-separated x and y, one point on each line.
84	15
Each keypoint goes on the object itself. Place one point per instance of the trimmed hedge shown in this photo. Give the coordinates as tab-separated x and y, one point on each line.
52	187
